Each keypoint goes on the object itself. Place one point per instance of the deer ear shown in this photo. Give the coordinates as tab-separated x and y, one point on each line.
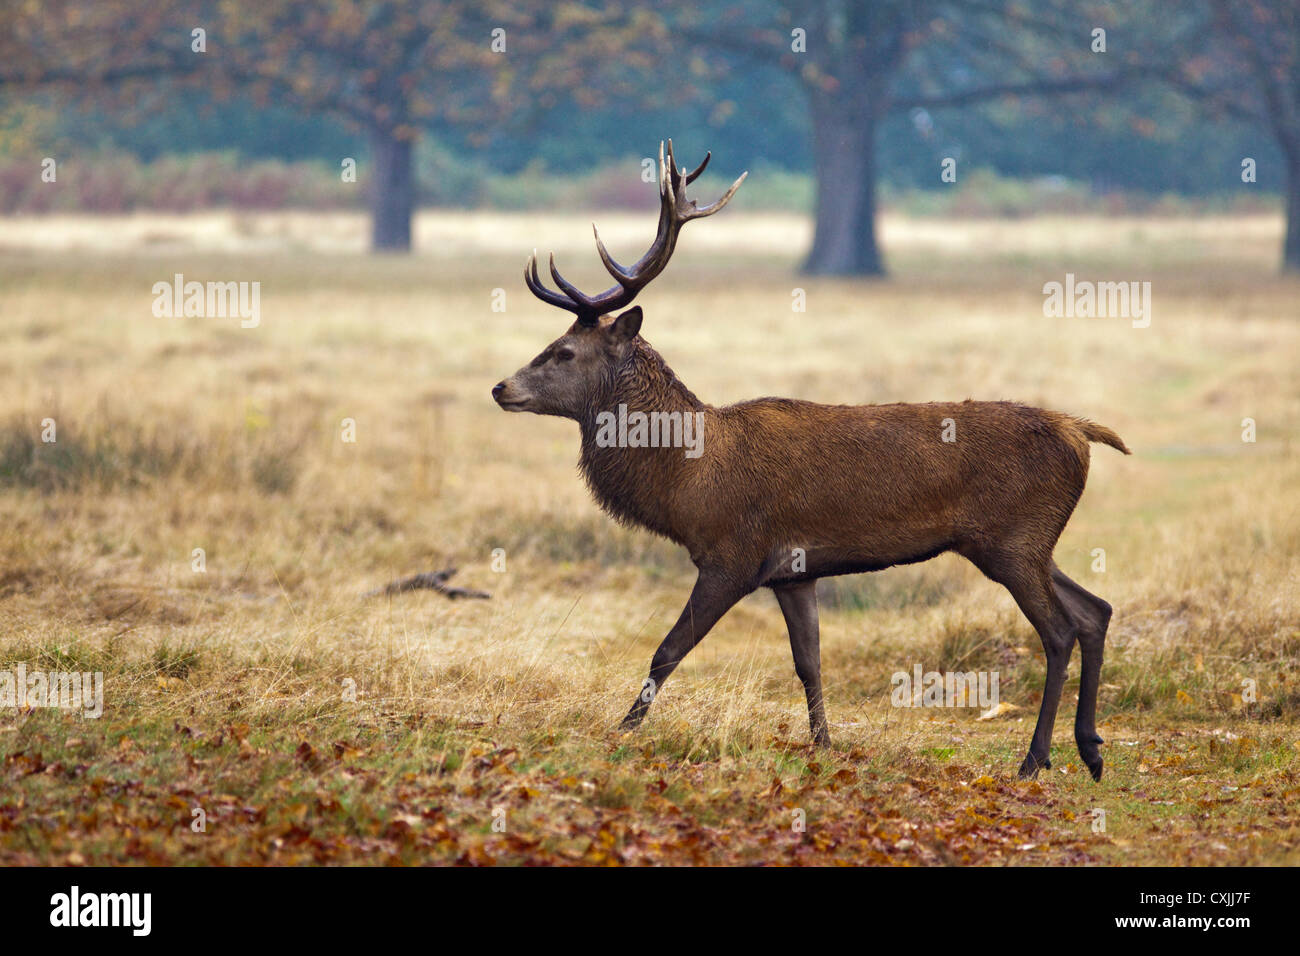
627	325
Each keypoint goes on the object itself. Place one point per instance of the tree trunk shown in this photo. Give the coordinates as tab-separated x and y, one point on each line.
1291	247
392	192
844	166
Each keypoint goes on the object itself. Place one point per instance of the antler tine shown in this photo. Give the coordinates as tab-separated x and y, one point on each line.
612	267
709	210
676	179
549	296
692	176
667	180
534	284
567	287
680	176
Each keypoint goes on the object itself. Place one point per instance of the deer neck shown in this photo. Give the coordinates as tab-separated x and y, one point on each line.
635	482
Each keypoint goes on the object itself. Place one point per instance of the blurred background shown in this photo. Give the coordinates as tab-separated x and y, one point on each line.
838	108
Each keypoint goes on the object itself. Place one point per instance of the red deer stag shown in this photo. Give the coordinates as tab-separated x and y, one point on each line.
782	492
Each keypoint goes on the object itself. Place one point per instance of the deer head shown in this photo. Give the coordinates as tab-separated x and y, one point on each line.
573	369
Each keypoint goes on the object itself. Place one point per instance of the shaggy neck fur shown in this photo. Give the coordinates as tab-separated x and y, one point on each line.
630	483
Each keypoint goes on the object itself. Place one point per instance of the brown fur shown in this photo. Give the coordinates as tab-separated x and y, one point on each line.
785	492
859	488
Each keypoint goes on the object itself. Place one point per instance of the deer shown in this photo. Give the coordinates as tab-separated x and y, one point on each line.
784	492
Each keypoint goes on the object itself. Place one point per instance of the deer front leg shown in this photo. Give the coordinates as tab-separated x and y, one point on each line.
714	595
799	607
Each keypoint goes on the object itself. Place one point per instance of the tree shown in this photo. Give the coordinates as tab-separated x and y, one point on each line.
862	62
389	67
1248	67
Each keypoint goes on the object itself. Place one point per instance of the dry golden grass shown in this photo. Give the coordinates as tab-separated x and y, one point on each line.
176	434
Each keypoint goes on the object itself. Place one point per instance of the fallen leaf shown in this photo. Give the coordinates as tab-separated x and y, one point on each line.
998	710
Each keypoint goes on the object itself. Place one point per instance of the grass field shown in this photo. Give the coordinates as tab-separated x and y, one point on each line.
485	731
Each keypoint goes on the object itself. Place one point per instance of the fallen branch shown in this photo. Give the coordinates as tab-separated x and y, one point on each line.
430	580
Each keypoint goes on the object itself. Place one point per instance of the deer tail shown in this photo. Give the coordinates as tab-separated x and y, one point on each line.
1100	433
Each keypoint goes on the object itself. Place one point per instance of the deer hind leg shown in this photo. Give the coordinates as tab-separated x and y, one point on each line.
799	607
1030	583
1092	616
714	595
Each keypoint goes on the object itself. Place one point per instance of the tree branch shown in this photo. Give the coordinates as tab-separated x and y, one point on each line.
1040	87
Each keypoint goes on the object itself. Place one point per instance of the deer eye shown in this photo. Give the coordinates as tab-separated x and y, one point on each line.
563	355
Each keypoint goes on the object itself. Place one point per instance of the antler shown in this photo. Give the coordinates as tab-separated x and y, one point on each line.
675	210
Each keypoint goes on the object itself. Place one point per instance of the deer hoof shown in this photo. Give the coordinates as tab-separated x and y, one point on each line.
1029	769
1088	751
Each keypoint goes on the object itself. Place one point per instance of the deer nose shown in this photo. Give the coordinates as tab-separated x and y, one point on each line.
497	389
